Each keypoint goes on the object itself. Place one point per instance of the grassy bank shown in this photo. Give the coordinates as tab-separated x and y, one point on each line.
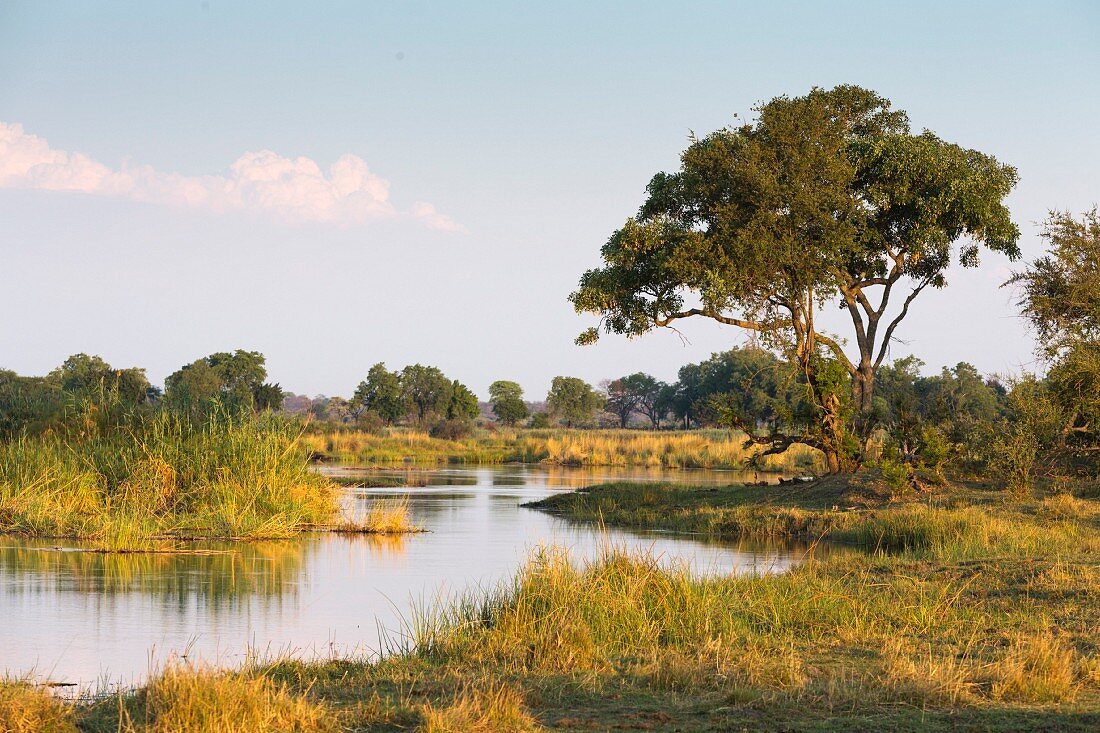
954	524
163	482
666	449
982	616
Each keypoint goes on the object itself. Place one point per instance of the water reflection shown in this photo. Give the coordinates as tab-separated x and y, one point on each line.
80	616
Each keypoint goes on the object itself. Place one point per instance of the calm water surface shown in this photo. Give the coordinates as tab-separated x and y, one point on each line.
98	621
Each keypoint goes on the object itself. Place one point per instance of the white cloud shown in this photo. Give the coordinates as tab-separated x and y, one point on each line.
289	189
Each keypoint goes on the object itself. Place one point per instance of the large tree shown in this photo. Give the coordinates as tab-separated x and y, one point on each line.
827	199
621	399
463	404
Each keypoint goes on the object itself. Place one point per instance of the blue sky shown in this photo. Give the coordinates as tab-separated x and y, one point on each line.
456	167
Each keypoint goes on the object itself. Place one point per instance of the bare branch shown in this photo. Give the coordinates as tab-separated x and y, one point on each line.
894	323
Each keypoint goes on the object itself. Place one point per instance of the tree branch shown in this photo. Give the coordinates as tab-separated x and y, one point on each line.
729	321
894	323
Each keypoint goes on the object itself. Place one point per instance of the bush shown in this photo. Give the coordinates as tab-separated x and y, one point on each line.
451	429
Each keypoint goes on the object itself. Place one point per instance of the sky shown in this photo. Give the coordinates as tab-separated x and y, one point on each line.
338	184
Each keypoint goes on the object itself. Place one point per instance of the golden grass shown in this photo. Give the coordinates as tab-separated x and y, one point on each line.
166	481
635	448
384	516
980	616
25	708
496	708
186	699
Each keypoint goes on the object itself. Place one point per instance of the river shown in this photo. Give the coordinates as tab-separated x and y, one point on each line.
93	622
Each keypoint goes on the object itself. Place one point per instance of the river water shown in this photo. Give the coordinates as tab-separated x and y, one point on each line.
95	621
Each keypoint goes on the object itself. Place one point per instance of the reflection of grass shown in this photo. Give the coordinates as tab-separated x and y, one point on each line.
252	568
168	480
942	633
665	449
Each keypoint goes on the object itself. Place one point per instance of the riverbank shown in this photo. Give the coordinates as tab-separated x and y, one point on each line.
722	449
982	623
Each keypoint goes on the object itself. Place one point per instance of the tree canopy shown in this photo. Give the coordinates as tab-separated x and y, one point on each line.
381	394
826	199
234	380
507	401
572	401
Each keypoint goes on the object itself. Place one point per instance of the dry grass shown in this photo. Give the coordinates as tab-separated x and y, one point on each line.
496	708
25	708
635	448
1038	668
384	516
185	699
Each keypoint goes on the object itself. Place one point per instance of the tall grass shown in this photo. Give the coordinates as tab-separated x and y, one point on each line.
25	708
665	449
166	479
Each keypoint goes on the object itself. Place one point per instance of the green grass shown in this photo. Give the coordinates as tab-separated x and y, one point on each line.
969	612
161	483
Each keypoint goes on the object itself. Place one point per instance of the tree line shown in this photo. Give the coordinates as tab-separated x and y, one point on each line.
86	393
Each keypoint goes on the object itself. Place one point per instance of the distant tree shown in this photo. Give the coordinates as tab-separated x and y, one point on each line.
652	396
663	404
381	394
268	397
330	409
621	399
507	401
463	404
1061	298
92	378
826	199
235	380
572	401
426	392
31	404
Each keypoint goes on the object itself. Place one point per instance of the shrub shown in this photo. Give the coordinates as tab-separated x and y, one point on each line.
451	429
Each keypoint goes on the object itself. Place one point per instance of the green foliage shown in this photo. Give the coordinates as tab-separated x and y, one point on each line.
572	401
1061	299
747	385
231	381
83	394
1030	431
507	401
380	394
426	391
463	406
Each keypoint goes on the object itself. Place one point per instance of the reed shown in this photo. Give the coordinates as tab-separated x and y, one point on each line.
168	480
383	516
